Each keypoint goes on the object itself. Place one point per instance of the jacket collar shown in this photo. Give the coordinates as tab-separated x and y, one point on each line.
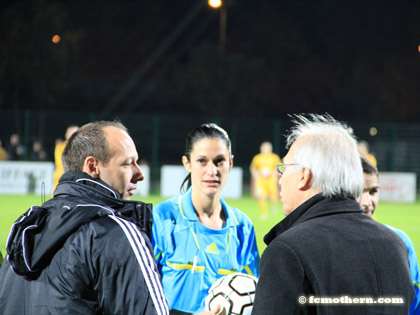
188	212
82	185
314	207
66	218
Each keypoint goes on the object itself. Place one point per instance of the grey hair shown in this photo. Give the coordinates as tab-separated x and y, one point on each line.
330	151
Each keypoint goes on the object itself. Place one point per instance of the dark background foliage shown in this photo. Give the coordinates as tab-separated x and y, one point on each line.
358	60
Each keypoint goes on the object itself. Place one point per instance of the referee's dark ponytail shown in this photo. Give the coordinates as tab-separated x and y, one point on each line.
210	131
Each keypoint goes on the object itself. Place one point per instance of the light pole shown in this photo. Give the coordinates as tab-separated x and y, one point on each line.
221	5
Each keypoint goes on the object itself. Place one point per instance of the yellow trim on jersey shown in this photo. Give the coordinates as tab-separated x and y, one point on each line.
158	255
227	248
188	266
236	220
248	270
225	271
180	207
195	238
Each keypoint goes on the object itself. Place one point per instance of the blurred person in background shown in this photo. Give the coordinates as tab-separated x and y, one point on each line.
38	153
325	247
15	150
90	252
3	152
197	237
58	151
363	148
369	201
264	178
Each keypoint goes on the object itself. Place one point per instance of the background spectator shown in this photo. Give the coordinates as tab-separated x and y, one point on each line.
15	150
58	152
3	152
264	178
363	147
38	153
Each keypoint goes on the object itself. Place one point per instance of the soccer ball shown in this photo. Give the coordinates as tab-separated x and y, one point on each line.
234	293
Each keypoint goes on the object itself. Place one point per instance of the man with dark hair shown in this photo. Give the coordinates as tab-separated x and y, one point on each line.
369	201
363	147
87	250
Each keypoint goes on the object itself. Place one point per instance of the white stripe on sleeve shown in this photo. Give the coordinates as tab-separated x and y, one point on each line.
146	263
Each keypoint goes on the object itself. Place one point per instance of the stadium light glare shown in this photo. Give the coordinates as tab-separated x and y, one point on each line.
215	3
218	4
373	131
56	39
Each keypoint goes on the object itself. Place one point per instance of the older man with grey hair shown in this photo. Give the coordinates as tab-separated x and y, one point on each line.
326	257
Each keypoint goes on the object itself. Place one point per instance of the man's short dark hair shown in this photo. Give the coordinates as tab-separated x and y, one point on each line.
368	167
89	140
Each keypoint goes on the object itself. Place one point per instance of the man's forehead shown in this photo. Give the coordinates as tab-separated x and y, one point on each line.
115	135
371	176
119	141
291	153
112	130
371	180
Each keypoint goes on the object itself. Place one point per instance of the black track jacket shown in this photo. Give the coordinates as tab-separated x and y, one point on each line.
86	251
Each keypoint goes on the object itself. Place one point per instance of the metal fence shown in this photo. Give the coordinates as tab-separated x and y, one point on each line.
160	139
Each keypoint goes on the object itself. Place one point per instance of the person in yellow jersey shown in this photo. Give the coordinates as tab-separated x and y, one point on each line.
363	147
58	152
3	153
264	177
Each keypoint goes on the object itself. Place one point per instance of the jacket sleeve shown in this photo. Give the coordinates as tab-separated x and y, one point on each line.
125	274
280	283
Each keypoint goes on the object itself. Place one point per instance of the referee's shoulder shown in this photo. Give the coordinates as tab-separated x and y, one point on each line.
166	208
243	218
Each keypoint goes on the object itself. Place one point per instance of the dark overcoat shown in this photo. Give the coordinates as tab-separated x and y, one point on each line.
327	257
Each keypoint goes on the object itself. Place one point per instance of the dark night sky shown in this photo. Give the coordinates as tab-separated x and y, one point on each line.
355	59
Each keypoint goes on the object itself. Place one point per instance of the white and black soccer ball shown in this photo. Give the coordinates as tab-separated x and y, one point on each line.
234	293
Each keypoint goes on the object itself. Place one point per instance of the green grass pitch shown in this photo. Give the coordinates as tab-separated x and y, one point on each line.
403	216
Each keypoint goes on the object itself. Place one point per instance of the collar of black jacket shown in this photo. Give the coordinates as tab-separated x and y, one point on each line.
70	181
316	206
81	185
29	255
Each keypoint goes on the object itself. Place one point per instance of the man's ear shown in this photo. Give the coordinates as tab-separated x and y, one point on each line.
305	181
90	167
186	163
231	162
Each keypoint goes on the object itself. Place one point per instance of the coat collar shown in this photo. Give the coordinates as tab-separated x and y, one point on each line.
317	206
186	208
81	184
66	216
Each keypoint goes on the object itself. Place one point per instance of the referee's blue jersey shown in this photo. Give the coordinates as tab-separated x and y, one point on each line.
191	256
